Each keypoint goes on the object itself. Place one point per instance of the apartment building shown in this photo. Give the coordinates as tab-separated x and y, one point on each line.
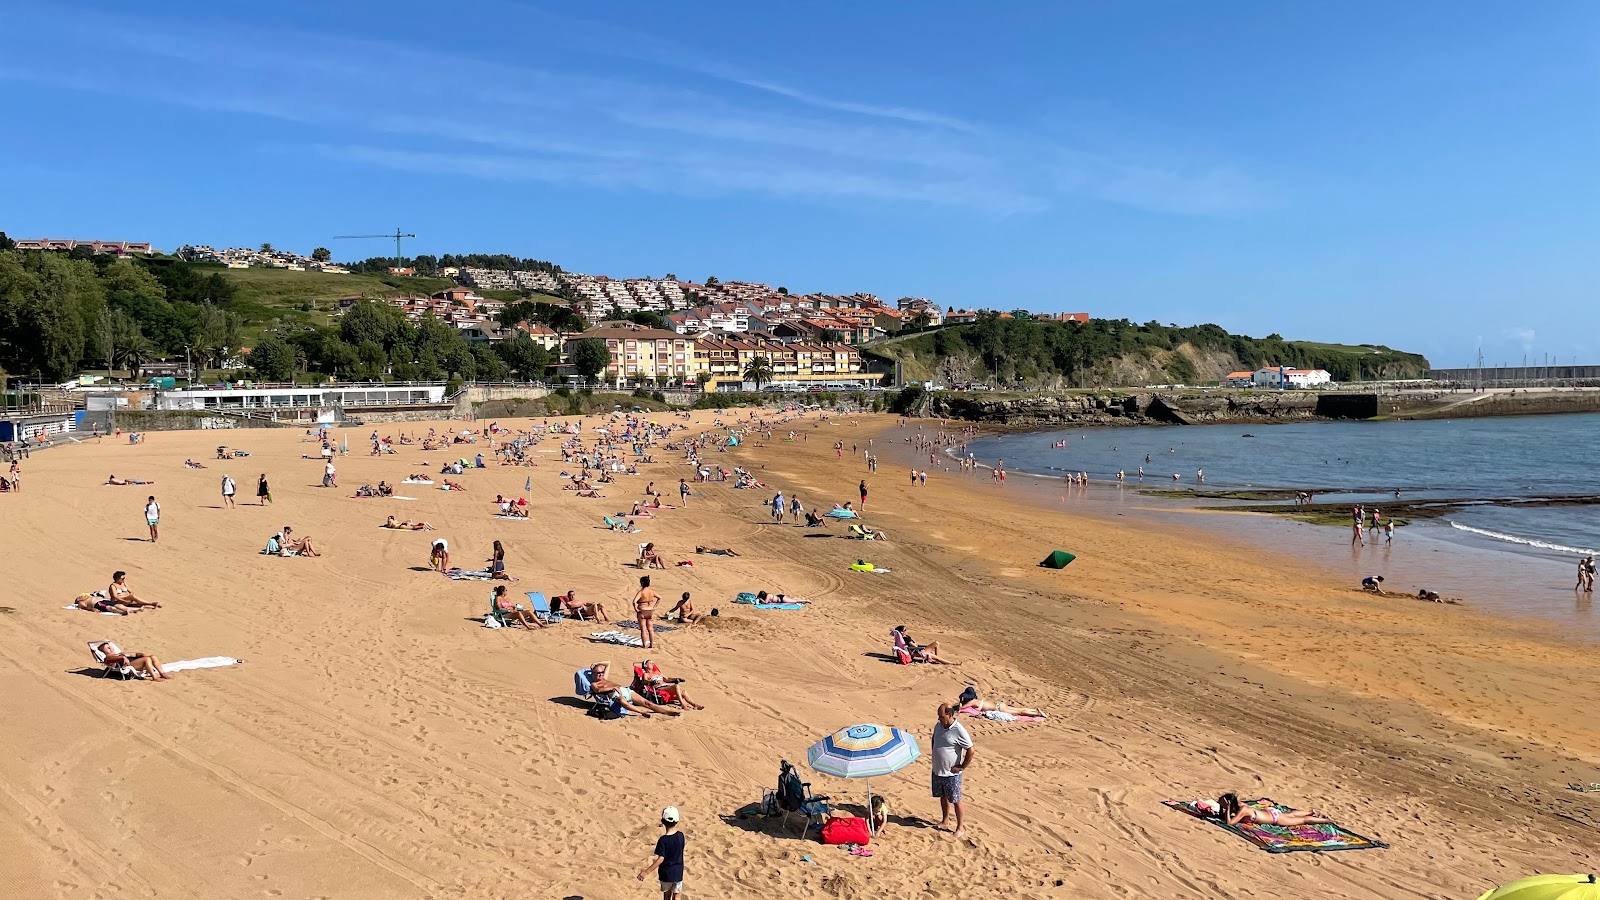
640	354
721	361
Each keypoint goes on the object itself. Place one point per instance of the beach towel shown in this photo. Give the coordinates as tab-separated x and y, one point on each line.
995	715
473	575
634	624
1277	839
98	595
415	481
870	569
616	637
841	514
398	497
514	518
749	599
205	662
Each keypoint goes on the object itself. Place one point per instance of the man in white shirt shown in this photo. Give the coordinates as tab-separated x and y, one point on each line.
330	475
228	487
152	516
952	753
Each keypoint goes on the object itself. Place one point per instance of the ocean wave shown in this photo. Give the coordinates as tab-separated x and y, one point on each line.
1527	542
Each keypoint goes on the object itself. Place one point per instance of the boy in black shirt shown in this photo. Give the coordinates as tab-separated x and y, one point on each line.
668	858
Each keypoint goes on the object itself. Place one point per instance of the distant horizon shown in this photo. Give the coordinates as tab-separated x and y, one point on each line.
1427	184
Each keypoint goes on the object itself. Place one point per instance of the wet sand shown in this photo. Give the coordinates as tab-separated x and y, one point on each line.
379	742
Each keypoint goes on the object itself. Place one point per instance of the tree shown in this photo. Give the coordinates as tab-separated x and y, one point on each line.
522	356
589	356
321	254
136	353
758	370
272	359
267	248
710	280
491	367
783	290
8	244
830	336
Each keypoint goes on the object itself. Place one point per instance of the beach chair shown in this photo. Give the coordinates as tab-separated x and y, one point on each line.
541	607
794	796
504	617
121	670
859	532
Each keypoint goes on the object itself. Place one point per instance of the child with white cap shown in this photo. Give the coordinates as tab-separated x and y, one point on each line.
668	856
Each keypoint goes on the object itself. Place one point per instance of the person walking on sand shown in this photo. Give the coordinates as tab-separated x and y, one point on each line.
228	488
645	602
863	493
667	858
795	509
952	754
330	475
683	492
263	491
152	517
1388	532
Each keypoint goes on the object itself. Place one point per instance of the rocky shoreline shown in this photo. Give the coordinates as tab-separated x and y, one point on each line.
1138	408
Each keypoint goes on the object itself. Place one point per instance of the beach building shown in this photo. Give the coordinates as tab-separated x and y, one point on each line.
1243	379
1286	378
309	403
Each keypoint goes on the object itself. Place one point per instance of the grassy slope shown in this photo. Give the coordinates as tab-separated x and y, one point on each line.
310	298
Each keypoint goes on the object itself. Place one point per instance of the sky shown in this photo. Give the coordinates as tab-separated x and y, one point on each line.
1424	175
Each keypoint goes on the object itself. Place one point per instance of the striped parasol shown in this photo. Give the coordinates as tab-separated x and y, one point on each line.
863	751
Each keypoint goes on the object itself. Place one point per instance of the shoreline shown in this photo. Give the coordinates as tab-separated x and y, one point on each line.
382	744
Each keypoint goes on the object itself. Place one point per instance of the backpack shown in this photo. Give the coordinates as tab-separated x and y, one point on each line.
791	790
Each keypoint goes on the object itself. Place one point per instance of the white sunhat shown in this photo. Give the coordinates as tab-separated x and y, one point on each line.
670	814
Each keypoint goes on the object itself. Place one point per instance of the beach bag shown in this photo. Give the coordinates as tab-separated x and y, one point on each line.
489	621
902	655
846	830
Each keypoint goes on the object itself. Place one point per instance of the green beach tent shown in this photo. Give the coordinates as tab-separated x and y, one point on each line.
1057	560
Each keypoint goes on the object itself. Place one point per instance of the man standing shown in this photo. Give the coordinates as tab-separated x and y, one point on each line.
952	753
152	517
228	487
329	475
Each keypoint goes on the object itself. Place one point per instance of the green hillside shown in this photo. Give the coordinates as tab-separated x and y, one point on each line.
1116	352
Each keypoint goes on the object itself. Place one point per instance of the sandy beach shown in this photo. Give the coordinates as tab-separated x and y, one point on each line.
378	742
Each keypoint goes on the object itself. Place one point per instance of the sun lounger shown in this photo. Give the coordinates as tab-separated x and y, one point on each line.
866	534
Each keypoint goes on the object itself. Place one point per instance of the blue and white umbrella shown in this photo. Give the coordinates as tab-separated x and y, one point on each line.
863	751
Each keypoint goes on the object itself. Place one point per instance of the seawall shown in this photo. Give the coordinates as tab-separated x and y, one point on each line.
1149	407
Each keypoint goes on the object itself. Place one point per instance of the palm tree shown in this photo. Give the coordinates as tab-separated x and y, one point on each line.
136	353
759	370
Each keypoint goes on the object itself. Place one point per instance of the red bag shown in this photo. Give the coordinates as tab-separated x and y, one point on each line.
902	656
845	830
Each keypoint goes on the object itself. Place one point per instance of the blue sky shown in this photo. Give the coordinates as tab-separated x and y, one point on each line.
1421	174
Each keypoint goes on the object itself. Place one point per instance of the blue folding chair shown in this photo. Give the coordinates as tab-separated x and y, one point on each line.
541	607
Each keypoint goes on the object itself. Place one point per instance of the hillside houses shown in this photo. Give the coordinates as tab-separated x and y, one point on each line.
245	258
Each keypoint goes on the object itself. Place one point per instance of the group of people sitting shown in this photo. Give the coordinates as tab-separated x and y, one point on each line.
648	692
516	509
118	598
284	543
382	490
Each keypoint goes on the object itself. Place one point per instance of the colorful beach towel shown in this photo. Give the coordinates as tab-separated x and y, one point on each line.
616	637
749	599
1277	839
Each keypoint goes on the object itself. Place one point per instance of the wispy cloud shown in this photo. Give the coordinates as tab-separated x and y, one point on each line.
1523	336
380	104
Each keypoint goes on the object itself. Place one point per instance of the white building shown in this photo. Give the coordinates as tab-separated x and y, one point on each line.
1281	377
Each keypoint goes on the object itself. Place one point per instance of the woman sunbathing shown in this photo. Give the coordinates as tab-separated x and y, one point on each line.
626	697
591	494
1232	812
191	464
512	610
716	551
451	486
143	663
112	479
302	545
647	679
120	593
650	559
928	653
972	703
98	602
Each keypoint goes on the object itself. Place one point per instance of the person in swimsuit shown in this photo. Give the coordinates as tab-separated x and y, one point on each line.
625	697
971	702
497	562
569	602
513	610
263	491
439	556
645	602
143	663
686	615
97	602
122	595
1232	812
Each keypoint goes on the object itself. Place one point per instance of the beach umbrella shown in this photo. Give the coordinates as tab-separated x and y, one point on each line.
1548	887
863	751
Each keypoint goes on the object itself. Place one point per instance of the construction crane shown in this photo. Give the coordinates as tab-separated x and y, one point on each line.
399	261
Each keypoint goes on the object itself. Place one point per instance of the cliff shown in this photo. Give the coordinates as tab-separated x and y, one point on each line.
1144	407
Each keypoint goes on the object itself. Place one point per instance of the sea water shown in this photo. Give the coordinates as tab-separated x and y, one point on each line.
1493	552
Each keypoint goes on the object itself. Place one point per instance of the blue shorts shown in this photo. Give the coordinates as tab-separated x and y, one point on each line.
947	787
